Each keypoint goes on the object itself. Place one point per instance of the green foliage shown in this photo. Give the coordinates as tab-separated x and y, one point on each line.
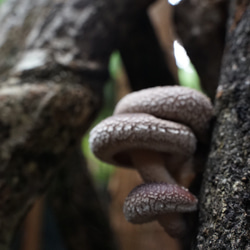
100	170
189	77
114	64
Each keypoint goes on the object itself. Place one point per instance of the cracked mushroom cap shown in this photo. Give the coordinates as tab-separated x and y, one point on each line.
114	138
176	103
147	201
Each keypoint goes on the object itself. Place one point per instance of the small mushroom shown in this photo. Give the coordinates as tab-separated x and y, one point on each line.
180	104
160	201
144	142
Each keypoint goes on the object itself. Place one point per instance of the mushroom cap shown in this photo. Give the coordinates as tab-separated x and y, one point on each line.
147	201
114	138
176	103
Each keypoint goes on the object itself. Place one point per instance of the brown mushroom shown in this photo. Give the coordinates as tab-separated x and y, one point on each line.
138	135
180	104
176	103
160	201
144	142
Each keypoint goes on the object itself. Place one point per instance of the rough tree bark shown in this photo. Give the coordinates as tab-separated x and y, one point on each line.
225	193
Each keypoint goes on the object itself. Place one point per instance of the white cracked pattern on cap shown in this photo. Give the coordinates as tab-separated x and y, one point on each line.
126	132
176	103
146	201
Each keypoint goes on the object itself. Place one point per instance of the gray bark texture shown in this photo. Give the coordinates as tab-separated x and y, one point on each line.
225	194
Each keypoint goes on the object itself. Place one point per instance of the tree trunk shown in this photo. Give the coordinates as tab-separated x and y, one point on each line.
142	55
201	26
225	193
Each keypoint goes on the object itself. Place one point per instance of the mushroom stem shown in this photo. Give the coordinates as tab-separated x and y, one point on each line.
150	165
187	174
173	224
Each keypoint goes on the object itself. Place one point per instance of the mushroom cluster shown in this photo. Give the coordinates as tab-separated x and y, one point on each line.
156	131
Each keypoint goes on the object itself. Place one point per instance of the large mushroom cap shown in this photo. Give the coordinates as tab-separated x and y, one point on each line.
176	103
147	201
115	137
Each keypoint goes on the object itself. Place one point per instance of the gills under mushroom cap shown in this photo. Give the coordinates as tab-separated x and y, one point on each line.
147	201
176	103
115	137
